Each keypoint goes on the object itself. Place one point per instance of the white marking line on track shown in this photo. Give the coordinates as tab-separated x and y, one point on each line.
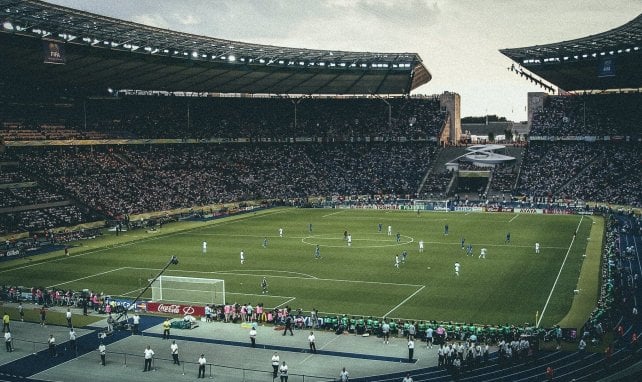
334	213
514	217
136	242
558	275
321	348
86	277
285	277
404	301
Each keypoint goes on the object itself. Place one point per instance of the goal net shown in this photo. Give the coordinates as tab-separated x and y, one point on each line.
190	290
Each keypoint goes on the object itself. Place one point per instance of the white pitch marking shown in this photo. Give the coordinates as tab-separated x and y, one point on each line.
280	305
514	217
86	277
558	274
404	301
334	213
133	242
285	277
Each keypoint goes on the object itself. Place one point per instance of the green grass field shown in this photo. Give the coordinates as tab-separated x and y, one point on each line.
510	285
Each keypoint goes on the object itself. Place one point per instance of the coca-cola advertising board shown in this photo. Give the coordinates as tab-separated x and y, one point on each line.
177	309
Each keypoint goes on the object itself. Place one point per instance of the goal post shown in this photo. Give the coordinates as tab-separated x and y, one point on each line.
192	290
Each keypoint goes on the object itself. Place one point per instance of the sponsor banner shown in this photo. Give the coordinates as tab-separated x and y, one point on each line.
529	210
464	209
440	208
557	211
499	209
585	212
177	309
121	302
10	253
54	52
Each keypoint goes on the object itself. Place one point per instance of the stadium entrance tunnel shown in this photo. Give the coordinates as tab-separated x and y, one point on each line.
368	241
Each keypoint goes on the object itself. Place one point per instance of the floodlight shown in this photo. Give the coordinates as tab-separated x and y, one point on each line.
194	54
7	25
231	58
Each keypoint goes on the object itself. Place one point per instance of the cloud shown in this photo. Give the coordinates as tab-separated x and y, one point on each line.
151	19
187	19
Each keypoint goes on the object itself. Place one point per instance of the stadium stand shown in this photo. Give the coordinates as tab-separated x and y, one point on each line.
176	176
286	147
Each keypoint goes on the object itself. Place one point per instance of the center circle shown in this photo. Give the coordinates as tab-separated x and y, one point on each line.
358	242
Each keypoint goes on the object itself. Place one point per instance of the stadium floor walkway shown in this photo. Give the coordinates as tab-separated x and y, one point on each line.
226	347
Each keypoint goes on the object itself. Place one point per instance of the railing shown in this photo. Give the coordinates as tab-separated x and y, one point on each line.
189	368
212	370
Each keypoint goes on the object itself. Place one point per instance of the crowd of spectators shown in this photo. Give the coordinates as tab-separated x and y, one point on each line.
588	115
131	180
332	119
614	176
503	179
37	220
619	279
27	195
12	176
605	172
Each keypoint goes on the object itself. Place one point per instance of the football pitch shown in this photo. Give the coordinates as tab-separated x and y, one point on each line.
509	286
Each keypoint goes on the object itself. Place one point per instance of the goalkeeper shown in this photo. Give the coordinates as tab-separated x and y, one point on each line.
264	286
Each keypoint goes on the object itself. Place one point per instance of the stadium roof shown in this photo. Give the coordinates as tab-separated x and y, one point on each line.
608	60
100	52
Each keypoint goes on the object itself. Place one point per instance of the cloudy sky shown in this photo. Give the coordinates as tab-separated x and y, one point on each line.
458	40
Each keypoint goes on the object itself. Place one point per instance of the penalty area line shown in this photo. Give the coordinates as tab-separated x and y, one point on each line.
284	303
514	217
86	277
404	301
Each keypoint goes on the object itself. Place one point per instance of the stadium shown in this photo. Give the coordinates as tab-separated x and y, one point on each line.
229	193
